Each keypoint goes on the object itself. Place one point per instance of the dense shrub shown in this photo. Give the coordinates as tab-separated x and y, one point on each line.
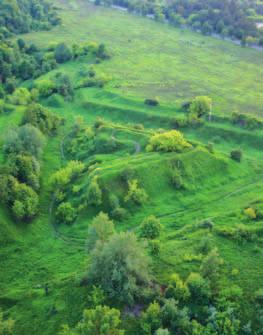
65	213
62	53
151	102
65	175
170	141
135	195
236	155
94	193
100	230
150	228
41	118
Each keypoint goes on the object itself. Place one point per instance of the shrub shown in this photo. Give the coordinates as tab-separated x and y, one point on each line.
64	176
151	102
94	193
150	227
155	247
236	155
177	289
199	288
21	96
62	53
259	296
250	213
170	141
135	194
100	230
176	178
200	106
119	213
65	213
205	245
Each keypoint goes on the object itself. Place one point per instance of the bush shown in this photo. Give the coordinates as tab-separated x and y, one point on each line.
100	230
250	213
64	176
62	53
199	289
176	178
170	141
155	247
236	155
177	289
200	106
151	102
65	213
259	296
135	194
94	193
150	227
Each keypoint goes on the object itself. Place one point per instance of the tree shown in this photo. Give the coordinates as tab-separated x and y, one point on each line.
65	213
121	267
94	193
200	106
62	53
135	195
177	289
169	141
101	320
199	288
211	265
150	228
25	140
100	229
151	319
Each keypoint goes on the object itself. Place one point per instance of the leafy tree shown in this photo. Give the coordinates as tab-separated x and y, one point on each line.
211	265
155	247
25	168
62	177
150	227
21	96
41	118
101	320
65	213
177	289
26	139
200	106
94	193
100	230
199	288
151	319
135	194
121	267
161	331
62	53
169	141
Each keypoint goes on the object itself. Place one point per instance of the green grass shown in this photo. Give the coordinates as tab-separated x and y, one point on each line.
154	59
36	254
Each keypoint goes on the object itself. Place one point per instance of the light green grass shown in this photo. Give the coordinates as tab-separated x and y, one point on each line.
154	59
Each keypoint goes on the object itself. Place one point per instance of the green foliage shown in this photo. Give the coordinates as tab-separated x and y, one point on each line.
65	213
94	193
200	107
150	228
101	320
236	155
64	176
210	266
177	289
135	195
62	53
170	141
41	118
21	198
155	247
120	267
151	319
21	96
25	140
6	325
199	288
100	230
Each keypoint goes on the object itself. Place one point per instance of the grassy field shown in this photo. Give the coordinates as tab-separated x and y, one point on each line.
154	59
218	188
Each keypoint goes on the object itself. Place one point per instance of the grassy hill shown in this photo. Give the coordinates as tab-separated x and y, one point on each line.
155	59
